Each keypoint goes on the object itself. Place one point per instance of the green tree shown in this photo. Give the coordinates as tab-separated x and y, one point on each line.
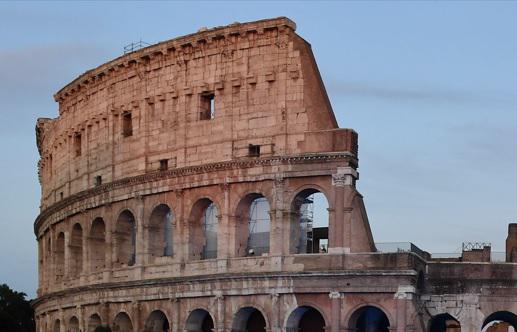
16	314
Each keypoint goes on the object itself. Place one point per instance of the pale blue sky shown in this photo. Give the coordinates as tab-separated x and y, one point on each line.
429	86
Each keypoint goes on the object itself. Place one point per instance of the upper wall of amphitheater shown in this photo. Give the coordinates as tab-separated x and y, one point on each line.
240	91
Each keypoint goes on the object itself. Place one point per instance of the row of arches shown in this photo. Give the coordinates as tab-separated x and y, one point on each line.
252	223
246	319
500	321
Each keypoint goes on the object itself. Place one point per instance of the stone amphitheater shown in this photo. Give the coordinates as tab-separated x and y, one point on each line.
203	184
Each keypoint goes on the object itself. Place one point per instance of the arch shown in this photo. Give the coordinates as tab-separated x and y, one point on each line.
76	250
203	228
199	320
305	319
309	222
505	319
122	323
97	245
125	239
59	254
73	324
369	318
249	319
157	322
160	231
57	326
94	322
253	225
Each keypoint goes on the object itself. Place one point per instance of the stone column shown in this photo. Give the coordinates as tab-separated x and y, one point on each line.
66	270
275	313
223	232
220	314
403	297
175	315
278	223
135	308
104	312
340	228
81	318
335	311
139	245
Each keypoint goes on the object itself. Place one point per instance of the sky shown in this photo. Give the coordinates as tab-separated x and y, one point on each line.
429	86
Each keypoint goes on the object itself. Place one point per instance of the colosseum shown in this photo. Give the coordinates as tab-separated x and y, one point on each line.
203	184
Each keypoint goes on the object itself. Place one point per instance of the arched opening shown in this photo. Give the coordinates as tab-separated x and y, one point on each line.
253	226
125	239
94	322
57	326
203	227
305	319
160	231
199	320
73	325
122	323
59	254
157	322
249	319
309	223
444	323
76	251
500	321
369	319
97	245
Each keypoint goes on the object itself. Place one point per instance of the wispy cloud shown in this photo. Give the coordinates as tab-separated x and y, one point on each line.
401	93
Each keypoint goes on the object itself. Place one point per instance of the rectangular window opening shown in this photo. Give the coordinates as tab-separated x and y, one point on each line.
77	145
254	150
98	180
127	125
164	164
61	195
207	107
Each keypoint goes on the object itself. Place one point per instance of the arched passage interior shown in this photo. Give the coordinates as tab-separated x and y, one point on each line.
444	323
249	319
309	222
93	322
253	225
125	239
59	254
122	323
76	250
203	228
97	245
73	325
369	319
57	326
160	231
500	321
305	319
157	322
199	320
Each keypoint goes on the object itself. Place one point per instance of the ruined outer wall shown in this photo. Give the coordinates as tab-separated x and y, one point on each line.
267	89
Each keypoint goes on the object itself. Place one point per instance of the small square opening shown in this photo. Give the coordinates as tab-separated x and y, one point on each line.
98	180
164	164
207	106
254	150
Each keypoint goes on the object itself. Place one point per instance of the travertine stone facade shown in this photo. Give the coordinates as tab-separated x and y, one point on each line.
151	176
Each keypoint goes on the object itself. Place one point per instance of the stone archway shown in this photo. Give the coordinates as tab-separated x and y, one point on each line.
125	239
157	322
160	231
122	323
369	319
305	319
94	322
97	245
249	319
444	323
199	320
309	222
500	321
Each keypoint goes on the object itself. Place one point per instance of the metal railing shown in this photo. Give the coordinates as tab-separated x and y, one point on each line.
392	247
135	46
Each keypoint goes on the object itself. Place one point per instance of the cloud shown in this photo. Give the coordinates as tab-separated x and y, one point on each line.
395	93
